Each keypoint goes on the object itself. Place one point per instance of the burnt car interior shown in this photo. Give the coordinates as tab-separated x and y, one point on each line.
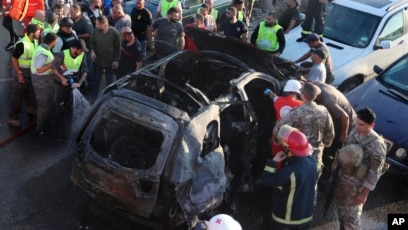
127	143
189	81
245	125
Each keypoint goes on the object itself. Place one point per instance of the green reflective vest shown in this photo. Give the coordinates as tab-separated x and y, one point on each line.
50	58
267	39
240	16
37	22
72	64
29	47
166	5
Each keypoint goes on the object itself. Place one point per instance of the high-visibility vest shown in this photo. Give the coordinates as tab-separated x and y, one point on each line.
37	22
267	39
72	64
29	47
166	5
50	58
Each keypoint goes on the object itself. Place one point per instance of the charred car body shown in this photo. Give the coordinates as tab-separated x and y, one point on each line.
172	140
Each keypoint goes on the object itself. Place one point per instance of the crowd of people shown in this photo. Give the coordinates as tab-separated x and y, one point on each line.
68	46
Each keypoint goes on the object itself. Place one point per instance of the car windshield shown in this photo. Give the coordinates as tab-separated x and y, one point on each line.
397	75
349	26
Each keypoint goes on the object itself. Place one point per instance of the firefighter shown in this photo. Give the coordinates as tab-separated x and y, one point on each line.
295	182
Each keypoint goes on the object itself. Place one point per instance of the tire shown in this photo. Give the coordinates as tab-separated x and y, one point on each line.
349	84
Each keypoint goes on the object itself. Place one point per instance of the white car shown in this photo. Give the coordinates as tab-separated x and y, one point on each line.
359	35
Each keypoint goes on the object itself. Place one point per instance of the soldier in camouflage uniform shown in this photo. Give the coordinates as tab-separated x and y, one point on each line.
354	184
312	119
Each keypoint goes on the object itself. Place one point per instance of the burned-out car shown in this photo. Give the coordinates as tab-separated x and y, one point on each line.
172	140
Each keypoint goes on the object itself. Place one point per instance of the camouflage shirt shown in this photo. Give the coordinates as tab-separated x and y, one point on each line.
313	120
374	153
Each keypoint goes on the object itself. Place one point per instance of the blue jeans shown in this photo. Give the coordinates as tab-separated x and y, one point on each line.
142	45
98	71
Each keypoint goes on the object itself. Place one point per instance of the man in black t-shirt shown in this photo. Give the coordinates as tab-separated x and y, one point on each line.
290	17
142	25
130	57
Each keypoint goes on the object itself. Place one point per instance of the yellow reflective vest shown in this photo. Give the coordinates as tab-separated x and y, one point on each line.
29	47
72	64
267	39
37	22
166	5
50	58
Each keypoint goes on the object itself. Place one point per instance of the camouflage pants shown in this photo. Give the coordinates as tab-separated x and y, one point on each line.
348	212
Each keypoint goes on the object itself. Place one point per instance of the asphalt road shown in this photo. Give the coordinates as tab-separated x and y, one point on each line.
36	191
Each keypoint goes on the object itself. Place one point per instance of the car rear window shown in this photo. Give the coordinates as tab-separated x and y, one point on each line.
126	142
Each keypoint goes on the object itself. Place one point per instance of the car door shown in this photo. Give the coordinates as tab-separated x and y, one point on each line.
392	34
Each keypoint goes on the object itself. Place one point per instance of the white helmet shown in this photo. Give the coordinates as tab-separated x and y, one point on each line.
223	222
292	86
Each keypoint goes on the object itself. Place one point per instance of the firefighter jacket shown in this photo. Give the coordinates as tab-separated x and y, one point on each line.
293	200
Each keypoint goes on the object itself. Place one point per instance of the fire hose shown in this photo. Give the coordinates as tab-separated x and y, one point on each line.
18	133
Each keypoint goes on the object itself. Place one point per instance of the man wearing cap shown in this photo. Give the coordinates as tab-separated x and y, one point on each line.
314	43
70	71
268	35
312	119
66	35
293	202
318	71
353	186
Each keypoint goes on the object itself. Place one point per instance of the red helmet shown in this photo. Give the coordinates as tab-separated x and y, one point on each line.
295	141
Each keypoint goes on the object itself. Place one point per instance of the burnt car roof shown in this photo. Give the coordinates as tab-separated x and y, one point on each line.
256	58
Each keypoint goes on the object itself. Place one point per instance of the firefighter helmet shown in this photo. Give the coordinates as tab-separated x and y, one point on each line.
223	222
295	141
350	156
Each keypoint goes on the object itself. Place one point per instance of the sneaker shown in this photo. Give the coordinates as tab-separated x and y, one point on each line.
14	122
10	46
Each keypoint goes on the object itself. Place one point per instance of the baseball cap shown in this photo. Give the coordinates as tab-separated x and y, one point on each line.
312	38
80	44
319	53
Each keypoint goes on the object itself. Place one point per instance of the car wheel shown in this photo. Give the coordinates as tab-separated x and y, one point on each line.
349	84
